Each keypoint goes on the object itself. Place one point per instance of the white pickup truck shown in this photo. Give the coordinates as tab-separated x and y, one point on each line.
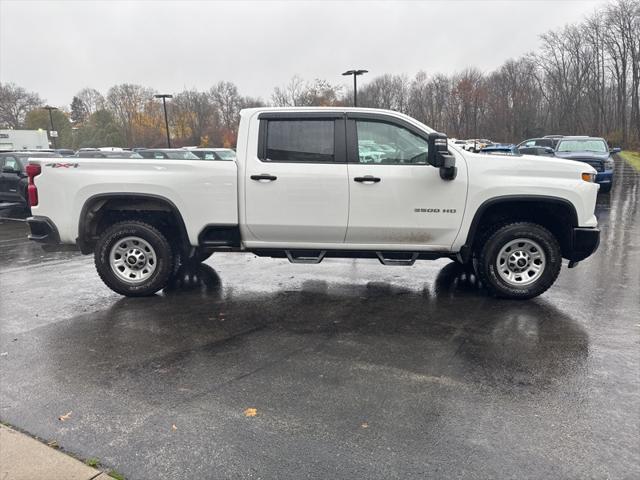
312	183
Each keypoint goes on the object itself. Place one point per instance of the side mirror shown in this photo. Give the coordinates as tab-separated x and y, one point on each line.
440	157
615	150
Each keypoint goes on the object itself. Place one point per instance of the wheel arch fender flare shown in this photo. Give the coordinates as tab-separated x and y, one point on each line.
95	202
505	200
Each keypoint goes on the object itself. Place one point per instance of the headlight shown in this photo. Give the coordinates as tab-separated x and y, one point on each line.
589	177
608	164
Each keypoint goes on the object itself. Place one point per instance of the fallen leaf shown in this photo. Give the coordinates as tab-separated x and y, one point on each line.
173	426
250	412
53	444
64	417
365	425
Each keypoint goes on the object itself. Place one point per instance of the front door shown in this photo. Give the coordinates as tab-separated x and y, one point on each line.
296	187
397	199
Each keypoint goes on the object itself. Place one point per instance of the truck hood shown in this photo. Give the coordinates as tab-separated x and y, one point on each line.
530	165
584	156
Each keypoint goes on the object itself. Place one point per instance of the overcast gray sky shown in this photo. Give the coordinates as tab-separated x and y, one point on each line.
56	48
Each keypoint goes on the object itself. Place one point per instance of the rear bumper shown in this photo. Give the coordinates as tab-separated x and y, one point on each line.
584	242
43	230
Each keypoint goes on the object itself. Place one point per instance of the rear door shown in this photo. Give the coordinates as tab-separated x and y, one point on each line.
397	200
296	188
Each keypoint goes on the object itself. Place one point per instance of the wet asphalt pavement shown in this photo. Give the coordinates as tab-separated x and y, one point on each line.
356	370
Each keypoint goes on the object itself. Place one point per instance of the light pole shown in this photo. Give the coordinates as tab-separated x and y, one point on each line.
52	129
164	97
355	74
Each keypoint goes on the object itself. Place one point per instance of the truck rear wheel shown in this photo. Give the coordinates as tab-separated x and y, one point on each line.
134	258
519	260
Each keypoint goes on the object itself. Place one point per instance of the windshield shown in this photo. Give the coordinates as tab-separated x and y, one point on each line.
586	145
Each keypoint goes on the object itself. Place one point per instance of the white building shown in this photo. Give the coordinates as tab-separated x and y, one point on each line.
23	140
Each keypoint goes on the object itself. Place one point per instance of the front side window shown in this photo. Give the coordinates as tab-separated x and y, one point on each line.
389	144
300	141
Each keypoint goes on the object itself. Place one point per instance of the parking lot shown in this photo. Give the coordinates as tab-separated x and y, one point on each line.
355	370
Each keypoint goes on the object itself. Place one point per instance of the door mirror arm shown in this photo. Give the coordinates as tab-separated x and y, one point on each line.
439	156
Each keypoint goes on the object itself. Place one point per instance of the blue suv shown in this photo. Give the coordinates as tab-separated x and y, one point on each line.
591	150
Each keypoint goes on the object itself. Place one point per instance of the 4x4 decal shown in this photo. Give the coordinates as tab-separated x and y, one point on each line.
61	165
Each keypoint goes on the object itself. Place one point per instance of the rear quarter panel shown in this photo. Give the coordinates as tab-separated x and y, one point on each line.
205	192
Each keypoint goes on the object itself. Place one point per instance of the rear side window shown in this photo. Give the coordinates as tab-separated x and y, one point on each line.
12	163
300	141
544	142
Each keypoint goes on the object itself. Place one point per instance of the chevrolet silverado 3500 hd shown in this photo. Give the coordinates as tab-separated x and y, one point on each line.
312	183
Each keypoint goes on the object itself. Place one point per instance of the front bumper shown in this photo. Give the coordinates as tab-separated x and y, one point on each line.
584	242
43	230
604	178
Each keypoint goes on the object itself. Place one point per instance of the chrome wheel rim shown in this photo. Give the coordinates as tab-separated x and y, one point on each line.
521	262
133	259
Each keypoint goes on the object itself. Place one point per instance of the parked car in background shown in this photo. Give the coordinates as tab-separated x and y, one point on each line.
501	149
541	151
555	139
459	143
108	154
539	142
213	153
167	154
13	176
593	151
468	145
477	144
65	152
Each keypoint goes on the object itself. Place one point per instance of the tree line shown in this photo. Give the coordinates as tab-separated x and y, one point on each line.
583	79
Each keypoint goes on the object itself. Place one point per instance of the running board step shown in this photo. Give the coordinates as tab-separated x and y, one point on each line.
302	257
216	243
402	259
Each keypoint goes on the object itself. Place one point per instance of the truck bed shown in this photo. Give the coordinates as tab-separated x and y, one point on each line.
205	192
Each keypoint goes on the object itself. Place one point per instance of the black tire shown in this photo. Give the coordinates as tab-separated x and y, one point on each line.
605	188
200	255
500	237
164	258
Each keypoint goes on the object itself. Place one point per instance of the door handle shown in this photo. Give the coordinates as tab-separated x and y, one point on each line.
264	176
367	179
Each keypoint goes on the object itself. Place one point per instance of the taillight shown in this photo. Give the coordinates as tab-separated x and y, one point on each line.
33	170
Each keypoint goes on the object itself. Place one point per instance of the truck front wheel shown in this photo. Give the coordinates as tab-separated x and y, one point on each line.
519	260
134	258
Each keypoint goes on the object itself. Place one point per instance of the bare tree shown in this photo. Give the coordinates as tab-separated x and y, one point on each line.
132	105
15	103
